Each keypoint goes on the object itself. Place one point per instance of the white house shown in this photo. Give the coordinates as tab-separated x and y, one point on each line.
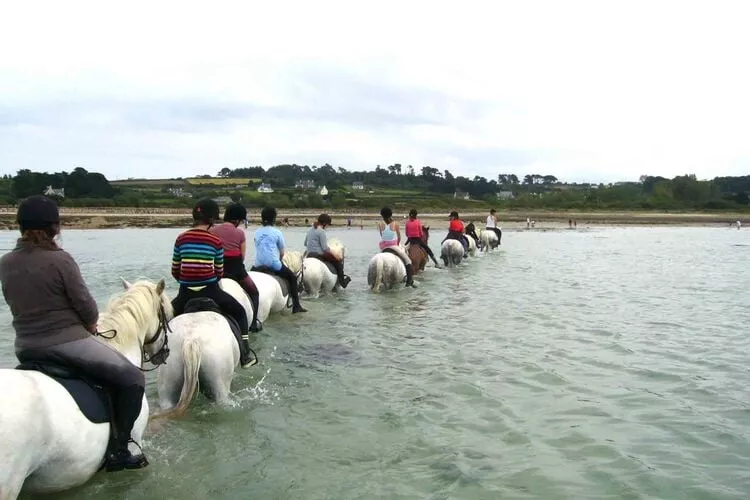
323	191
223	200
265	188
305	184
50	191
461	195
358	185
505	195
179	192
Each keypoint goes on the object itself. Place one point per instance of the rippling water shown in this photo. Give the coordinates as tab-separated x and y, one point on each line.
608	363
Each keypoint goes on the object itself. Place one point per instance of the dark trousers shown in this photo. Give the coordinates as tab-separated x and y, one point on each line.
329	257
103	364
497	231
234	268
419	241
288	275
226	303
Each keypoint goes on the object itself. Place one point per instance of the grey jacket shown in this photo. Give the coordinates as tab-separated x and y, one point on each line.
50	303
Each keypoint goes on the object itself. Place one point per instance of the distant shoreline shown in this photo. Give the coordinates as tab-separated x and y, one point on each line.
103	218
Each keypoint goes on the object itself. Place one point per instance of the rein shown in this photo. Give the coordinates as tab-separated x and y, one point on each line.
160	357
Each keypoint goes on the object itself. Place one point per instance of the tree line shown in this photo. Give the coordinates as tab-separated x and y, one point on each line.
429	185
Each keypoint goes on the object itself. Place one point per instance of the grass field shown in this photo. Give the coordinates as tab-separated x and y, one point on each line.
221	181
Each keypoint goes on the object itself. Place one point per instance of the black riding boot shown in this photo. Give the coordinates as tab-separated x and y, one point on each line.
296	306
247	356
343	278
127	406
255	324
409	275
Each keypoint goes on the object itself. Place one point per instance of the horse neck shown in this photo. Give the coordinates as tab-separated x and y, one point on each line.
130	333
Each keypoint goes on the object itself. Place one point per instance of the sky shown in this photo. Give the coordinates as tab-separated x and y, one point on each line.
588	91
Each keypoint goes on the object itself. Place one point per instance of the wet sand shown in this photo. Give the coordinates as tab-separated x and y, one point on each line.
102	218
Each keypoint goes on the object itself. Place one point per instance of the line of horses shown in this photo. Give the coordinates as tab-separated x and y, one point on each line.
49	437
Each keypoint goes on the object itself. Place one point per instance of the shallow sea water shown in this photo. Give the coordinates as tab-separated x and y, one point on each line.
601	363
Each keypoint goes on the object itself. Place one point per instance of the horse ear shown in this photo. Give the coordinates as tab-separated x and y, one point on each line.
125	283
160	286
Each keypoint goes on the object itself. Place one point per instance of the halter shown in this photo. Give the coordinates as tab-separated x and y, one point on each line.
160	357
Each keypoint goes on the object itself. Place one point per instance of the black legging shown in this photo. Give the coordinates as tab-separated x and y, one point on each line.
101	363
330	258
234	268
288	275
419	241
225	302
497	231
455	235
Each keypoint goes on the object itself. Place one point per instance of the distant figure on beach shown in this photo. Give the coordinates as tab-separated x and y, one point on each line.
307	222
286	221
245	223
361	224
575	223
739	225
570	223
349	223
528	222
533	223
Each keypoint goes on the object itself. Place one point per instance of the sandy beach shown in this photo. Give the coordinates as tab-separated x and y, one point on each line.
103	218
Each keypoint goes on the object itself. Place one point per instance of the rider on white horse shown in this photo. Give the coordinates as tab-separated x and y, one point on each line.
491	225
269	250
55	320
235	244
415	234
198	264
390	239
316	244
456	231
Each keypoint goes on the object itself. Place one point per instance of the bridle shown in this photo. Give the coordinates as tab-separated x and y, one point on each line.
160	357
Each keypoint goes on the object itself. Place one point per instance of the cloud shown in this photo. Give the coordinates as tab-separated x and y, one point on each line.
580	90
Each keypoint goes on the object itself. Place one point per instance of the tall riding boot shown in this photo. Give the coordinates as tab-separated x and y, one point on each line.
127	405
409	275
247	356
343	278
255	324
296	306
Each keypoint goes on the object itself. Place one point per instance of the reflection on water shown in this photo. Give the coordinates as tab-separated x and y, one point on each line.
609	363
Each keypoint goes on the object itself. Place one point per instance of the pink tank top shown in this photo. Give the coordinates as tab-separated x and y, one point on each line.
414	228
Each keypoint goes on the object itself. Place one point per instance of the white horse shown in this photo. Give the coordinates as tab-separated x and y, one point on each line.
317	277
47	443
271	296
472	246
452	252
203	348
385	269
489	240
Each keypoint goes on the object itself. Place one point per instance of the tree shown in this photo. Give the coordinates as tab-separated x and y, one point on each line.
549	179
224	172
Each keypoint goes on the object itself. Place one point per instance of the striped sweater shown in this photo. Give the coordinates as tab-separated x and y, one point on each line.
198	258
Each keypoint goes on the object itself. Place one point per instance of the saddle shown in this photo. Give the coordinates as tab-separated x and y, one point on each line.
282	282
326	263
203	304
92	398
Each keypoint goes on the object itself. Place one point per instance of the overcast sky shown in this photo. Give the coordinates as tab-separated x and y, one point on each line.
585	91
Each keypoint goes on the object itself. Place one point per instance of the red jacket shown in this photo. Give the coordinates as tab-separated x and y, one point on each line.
456	225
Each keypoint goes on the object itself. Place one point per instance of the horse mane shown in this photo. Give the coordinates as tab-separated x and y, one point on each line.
337	248
293	260
130	312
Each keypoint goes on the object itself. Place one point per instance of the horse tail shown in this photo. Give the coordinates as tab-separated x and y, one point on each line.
378	279
485	241
191	358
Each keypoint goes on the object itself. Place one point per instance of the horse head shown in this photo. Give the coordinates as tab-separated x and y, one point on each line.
426	231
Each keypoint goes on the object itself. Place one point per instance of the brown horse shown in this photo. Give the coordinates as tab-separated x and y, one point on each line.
417	254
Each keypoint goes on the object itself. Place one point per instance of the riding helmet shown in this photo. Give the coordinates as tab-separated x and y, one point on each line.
454	215
206	210
386	213
413	213
235	211
37	212
268	215
324	219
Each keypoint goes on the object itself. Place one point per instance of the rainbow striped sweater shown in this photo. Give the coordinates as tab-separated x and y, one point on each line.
198	258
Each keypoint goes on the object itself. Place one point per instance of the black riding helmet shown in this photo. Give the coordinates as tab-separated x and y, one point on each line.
453	215
324	219
235	211
206	211
37	212
413	213
268	216
386	213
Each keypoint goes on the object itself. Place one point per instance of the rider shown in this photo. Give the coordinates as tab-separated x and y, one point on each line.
415	234
456	231
269	250
234	242
471	230
198	264
390	238
316	243
55	319
492	224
